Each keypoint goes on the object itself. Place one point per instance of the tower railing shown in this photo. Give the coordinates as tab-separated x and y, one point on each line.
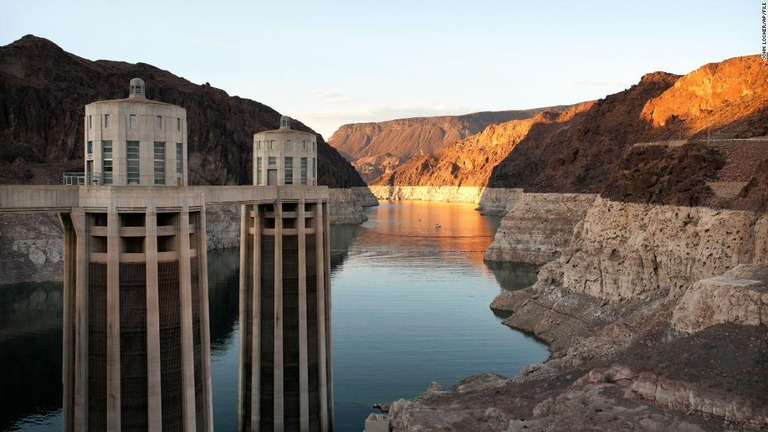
71	178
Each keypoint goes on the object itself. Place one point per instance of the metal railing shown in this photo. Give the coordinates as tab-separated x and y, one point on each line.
81	179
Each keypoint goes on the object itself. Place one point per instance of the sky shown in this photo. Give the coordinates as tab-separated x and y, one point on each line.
333	62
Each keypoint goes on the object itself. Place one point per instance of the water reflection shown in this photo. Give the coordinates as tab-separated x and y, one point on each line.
30	355
513	276
410	307
223	287
342	237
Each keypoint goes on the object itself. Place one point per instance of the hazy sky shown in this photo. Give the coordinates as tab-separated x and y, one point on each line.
332	62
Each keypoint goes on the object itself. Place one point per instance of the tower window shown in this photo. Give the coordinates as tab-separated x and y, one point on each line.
132	123
106	120
106	161
258	171
158	122
272	145
178	124
272	161
288	145
288	170
90	148
179	158
90	122
132	162
159	163
304	171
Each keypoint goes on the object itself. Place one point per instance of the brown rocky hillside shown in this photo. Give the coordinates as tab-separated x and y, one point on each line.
43	90
470	161
591	148
725	100
377	148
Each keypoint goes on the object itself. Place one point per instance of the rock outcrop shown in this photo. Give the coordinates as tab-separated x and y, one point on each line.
740	297
345	207
378	148
498	201
537	227
635	251
31	248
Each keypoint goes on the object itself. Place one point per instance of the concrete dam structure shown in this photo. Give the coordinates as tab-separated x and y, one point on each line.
136	343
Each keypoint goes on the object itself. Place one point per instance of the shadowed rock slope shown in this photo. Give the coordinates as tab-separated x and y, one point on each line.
378	148
723	100
43	90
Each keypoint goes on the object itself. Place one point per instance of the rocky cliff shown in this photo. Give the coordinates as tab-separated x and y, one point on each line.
469	162
655	315
719	100
537	227
43	90
378	148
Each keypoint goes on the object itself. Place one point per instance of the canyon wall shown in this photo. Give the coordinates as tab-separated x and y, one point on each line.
378	148
537	227
634	251
498	201
466	194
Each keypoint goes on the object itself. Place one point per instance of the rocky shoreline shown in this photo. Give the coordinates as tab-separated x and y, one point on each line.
655	316
31	245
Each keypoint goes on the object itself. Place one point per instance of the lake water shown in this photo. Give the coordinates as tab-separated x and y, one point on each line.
410	306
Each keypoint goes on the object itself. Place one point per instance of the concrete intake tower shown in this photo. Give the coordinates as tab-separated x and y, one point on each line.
285	293
136	338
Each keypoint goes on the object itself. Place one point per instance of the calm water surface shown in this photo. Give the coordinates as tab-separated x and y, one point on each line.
410	306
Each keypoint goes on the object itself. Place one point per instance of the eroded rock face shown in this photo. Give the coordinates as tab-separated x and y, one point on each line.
31	248
740	297
538	227
498	201
632	251
345	207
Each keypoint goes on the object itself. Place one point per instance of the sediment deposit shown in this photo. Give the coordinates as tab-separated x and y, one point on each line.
466	194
